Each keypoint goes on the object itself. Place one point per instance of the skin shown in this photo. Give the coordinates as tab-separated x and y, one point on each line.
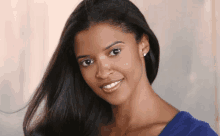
137	109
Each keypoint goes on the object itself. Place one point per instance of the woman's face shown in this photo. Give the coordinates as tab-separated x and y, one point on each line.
110	55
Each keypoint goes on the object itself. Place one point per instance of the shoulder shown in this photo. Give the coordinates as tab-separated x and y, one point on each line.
184	124
202	130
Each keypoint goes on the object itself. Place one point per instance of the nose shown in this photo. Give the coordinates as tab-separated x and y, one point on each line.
103	69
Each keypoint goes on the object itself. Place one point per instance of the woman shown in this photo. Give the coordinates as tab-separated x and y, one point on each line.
99	79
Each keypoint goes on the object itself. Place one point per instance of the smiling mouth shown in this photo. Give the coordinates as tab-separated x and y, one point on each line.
111	89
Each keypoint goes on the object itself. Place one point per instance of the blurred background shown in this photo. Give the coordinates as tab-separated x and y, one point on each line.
188	32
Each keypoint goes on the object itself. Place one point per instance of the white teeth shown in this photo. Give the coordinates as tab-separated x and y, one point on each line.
111	85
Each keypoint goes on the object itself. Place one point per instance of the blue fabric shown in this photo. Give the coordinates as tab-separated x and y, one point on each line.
184	124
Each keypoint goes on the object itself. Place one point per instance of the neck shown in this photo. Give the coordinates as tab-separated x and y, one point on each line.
131	112
144	108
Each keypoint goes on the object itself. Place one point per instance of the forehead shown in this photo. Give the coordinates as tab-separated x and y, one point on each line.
100	36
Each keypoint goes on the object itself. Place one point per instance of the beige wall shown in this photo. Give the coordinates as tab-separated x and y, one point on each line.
188	32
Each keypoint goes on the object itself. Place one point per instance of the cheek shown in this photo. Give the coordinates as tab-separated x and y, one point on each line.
130	66
88	77
128	63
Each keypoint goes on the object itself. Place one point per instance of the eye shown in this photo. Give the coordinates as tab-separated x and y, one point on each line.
115	51
85	62
88	62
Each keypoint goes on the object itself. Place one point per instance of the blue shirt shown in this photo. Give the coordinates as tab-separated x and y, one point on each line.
184	124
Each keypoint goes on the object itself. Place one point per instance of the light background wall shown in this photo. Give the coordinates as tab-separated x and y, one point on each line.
188	32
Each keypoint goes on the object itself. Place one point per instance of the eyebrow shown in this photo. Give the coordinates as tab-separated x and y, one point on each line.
114	43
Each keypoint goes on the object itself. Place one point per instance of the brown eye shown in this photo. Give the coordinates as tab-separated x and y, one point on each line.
86	63
115	51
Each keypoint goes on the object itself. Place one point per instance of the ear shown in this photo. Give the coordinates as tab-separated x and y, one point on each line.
144	45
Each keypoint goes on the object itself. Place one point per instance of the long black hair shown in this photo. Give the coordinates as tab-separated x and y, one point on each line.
70	106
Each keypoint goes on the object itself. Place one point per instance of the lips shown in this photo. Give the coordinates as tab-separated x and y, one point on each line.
112	89
108	83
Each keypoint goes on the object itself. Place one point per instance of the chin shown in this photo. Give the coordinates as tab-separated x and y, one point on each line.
117	101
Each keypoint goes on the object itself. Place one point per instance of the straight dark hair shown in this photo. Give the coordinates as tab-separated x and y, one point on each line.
71	107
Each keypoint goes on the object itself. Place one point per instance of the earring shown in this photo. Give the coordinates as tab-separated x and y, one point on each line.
145	54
